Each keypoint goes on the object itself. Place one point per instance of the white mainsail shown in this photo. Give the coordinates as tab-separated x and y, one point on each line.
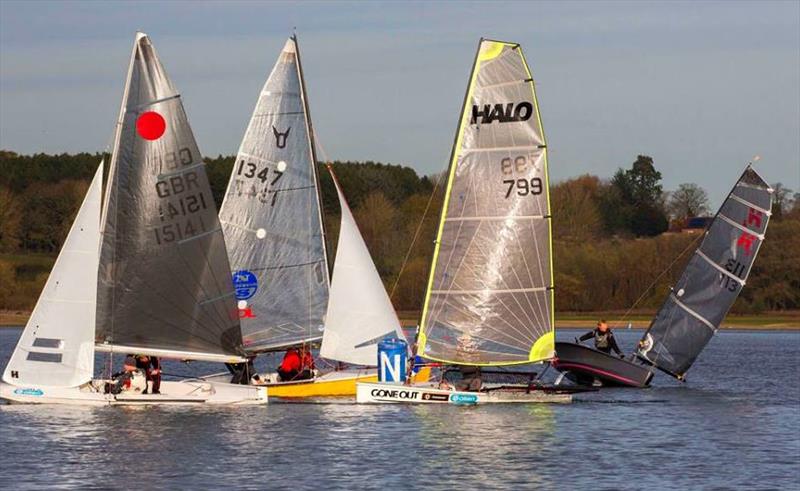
56	348
360	312
272	219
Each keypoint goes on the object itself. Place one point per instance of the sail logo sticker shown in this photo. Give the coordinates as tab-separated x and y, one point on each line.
463	399
150	125
504	113
29	392
746	239
245	283
280	138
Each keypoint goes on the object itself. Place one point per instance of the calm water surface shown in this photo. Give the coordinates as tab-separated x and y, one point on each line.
735	424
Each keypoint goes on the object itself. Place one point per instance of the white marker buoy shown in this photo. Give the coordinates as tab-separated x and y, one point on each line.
242	304
261	233
281	166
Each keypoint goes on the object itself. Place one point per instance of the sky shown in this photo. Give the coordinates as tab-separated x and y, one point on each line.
702	87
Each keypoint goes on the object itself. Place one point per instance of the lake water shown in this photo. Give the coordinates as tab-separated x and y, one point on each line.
735	424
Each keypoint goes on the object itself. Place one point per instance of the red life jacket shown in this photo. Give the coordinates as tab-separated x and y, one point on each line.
291	362
308	361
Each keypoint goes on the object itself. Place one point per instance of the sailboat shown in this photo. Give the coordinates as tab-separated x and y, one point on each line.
274	229
489	299
144	272
697	304
712	280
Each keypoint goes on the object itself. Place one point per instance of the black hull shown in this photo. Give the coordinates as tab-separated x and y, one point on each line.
583	365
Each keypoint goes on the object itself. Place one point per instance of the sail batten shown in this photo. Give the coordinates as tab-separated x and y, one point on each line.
489	299
163	280
712	279
272	217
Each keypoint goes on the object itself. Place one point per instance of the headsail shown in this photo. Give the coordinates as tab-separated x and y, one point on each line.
164	281
360	312
272	217
490	294
712	279
56	348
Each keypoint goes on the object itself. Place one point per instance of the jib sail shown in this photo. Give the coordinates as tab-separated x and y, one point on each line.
489	299
360	312
712	280
272	219
164	280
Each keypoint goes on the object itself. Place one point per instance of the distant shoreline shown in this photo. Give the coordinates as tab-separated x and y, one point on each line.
770	321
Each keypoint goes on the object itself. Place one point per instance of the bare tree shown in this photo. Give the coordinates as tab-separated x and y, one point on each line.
689	200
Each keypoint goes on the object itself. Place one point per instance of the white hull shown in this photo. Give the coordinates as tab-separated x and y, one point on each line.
185	392
382	393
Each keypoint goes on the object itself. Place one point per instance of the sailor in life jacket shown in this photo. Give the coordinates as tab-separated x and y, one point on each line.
603	339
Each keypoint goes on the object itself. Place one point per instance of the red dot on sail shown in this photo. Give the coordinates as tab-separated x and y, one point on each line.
151	125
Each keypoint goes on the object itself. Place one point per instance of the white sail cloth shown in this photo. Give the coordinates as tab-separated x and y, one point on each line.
272	219
490	294
360	312
164	277
56	348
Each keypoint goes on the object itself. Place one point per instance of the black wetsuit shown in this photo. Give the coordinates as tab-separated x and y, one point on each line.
603	341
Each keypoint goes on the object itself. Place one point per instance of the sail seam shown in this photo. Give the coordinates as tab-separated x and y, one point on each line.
503	84
718	267
152	103
489	290
501	149
742	227
692	312
180	171
198	236
751	205
491	218
264	115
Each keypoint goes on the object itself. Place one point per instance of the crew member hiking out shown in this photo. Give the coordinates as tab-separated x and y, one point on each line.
603	339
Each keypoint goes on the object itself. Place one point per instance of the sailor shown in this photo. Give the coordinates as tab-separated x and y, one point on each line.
290	366
306	364
151	367
470	378
603	339
123	378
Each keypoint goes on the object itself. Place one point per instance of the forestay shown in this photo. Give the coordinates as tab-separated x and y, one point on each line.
164	279
272	219
360	312
490	294
712	280
56	348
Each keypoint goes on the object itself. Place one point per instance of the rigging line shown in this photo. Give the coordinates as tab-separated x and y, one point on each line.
668	268
416	235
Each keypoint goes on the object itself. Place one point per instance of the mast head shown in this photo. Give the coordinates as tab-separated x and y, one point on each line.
291	45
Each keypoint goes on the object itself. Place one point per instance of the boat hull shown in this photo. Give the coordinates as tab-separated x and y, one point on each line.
583	365
185	392
340	383
387	393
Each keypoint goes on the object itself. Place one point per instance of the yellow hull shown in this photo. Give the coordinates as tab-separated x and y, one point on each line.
332	387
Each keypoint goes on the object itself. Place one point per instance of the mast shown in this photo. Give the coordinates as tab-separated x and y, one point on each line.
489	299
313	147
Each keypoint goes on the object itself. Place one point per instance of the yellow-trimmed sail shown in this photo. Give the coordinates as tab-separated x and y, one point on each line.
489	299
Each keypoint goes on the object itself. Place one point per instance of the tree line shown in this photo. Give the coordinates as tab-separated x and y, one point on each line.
617	242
